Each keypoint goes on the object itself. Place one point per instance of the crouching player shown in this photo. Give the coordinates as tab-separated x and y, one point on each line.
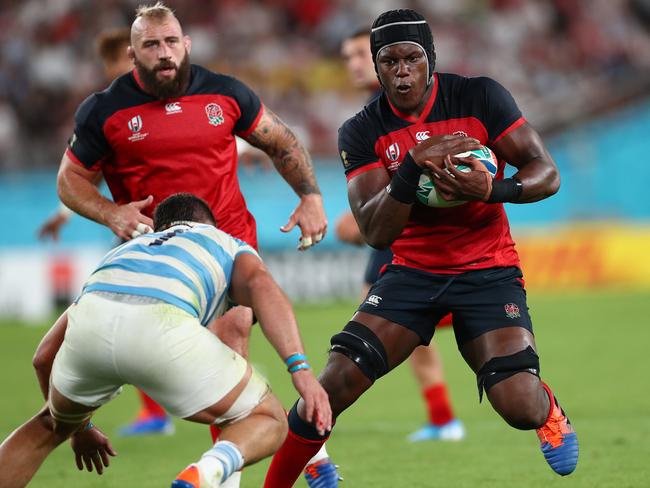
141	320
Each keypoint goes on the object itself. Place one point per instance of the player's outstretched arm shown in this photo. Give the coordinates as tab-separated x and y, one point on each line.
293	162
78	191
253	286
538	173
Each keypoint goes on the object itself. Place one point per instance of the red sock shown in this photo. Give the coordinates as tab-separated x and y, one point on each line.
150	405
215	432
438	404
290	460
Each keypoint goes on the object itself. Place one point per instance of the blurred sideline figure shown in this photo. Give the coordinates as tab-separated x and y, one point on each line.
447	259
169	126
426	361
141	319
112	48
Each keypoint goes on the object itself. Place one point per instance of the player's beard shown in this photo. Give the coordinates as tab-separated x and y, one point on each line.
164	89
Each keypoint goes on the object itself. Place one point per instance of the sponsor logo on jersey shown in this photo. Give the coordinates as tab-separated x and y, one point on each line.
173	108
373	300
392	152
460	133
512	310
135	124
214	113
422	135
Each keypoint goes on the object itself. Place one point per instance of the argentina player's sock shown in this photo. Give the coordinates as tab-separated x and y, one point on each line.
224	458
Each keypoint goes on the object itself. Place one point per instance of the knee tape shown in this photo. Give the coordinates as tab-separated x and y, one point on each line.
499	368
69	418
362	346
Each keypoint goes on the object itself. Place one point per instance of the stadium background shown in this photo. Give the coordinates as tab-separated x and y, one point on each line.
580	71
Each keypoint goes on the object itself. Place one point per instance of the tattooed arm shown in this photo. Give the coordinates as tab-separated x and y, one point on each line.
293	163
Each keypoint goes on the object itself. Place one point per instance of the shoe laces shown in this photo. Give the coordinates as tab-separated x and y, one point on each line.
321	468
555	427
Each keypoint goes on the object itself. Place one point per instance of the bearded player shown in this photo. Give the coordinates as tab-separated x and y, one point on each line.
169	126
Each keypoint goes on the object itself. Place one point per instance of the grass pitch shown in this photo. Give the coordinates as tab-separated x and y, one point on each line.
594	353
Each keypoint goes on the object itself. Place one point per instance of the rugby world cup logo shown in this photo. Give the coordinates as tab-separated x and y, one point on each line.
214	113
135	124
392	152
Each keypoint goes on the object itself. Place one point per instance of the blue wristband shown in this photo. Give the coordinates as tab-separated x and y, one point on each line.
298	367
88	426
295	358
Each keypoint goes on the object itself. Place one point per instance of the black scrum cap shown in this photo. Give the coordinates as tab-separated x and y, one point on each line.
402	25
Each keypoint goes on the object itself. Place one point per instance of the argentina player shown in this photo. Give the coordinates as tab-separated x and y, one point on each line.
141	320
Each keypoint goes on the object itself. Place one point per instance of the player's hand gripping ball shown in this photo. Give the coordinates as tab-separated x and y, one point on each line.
426	193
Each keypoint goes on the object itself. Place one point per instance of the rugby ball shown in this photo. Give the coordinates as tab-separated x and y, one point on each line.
426	192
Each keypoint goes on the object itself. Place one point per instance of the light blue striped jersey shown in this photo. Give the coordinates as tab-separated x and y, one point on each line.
188	265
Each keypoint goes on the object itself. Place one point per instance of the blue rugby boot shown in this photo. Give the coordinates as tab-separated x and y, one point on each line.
322	474
559	441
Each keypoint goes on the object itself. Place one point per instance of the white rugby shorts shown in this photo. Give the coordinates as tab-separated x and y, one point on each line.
161	349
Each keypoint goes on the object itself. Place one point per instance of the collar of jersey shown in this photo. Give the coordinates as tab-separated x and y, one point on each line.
427	107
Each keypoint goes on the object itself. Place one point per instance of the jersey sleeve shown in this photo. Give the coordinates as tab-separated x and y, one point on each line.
355	148
250	108
242	247
88	143
501	113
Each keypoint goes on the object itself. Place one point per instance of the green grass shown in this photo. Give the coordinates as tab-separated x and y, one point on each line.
593	349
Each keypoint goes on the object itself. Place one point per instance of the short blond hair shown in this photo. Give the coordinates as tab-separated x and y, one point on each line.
156	11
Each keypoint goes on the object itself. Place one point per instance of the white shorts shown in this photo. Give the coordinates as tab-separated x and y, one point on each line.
111	341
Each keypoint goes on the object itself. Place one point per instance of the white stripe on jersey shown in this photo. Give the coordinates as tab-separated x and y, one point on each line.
189	266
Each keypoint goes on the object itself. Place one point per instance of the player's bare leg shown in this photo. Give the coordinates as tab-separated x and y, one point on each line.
505	359
234	329
23	452
520	399
241	443
345	381
426	364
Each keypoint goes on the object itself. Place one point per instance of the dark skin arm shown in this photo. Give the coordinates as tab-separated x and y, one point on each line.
522	148
371	204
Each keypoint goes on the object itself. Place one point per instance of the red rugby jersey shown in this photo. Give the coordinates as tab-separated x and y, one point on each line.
474	235
145	146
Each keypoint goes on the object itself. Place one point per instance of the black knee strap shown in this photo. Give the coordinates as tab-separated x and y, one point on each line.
362	346
502	367
301	428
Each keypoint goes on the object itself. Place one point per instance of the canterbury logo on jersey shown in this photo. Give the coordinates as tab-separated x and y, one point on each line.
173	108
373	300
422	135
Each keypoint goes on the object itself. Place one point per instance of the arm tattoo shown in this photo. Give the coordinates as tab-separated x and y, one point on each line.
287	153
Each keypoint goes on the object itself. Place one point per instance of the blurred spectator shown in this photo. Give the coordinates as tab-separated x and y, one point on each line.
562	59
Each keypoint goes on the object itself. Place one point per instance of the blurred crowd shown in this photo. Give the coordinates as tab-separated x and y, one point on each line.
562	59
